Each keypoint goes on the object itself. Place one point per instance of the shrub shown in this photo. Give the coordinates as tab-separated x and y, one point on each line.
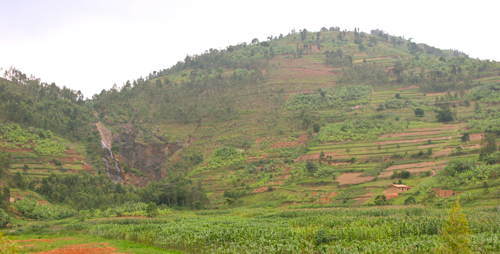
410	201
419	112
311	167
444	114
151	210
381	200
4	218
316	128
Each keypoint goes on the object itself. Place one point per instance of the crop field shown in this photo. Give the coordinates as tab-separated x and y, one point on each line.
380	230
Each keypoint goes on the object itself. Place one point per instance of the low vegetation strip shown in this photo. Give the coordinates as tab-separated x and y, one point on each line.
359	129
382	230
334	98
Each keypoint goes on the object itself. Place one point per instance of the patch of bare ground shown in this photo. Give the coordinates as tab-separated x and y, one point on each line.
363	199
441	153
476	136
426	146
326	198
88	248
260	190
353	178
385	174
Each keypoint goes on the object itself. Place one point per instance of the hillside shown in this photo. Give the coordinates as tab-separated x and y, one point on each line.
242	119
235	149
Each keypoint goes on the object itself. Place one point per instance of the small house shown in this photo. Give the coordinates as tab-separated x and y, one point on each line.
397	188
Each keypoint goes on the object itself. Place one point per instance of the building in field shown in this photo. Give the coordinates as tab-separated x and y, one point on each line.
443	193
397	188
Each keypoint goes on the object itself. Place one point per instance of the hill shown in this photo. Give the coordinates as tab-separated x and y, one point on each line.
254	138
242	119
310	118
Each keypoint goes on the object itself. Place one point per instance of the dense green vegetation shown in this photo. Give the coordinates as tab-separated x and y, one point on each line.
387	230
41	141
360	129
335	98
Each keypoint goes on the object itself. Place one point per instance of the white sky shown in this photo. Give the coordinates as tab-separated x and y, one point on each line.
89	45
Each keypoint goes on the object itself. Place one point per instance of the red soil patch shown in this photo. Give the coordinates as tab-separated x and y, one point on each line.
14	211
89	248
260	190
43	202
476	136
353	178
391	195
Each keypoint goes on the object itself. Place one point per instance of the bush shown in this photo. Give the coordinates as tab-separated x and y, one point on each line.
444	114
316	128
381	200
4	218
410	201
151	210
311	167
419	112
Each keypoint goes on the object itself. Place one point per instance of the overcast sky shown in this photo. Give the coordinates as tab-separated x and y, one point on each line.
90	45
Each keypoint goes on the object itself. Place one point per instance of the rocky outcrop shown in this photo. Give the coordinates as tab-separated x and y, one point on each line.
148	158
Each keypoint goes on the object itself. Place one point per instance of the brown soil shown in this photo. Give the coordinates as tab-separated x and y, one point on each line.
445	152
85	166
476	136
43	202
260	190
412	165
385	174
353	178
426	146
363	199
88	248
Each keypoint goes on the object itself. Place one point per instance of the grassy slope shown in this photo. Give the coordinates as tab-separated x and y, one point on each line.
306	75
